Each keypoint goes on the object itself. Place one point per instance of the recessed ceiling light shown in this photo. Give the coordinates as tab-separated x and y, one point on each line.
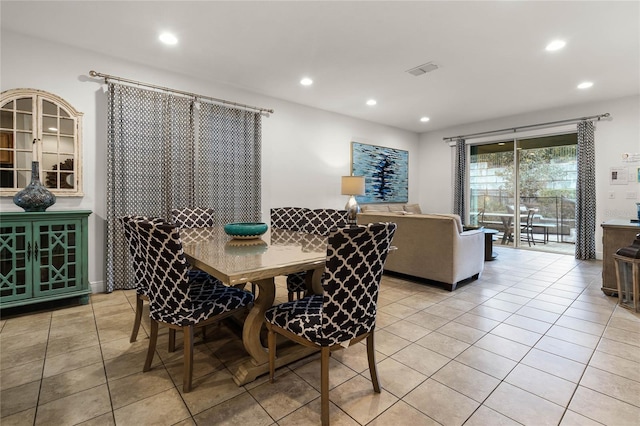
371	102
555	45
424	119
168	38
306	81
585	85
53	129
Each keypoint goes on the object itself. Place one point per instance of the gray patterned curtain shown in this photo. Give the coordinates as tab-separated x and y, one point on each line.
586	193
152	167
229	149
460	173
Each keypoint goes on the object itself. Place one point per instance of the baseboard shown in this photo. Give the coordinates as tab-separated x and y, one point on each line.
97	287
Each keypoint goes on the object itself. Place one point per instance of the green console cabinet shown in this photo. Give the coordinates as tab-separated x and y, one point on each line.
43	257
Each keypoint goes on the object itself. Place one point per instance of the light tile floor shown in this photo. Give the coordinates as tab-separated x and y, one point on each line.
534	341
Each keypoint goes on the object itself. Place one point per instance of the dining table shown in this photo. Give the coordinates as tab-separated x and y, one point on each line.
237	262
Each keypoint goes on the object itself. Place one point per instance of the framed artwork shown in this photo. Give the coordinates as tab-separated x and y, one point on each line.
386	172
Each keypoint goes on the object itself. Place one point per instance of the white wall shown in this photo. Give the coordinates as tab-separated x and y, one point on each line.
613	137
305	150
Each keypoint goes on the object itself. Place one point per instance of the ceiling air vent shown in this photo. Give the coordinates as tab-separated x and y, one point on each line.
423	69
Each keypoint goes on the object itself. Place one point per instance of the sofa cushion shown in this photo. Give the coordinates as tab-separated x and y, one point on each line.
412	208
375	208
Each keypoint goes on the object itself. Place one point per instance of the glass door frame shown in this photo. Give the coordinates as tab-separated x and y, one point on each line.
514	138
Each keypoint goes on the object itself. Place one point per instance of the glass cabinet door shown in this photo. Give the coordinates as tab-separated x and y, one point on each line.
16	261
57	251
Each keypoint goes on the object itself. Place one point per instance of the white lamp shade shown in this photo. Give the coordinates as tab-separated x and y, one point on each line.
352	185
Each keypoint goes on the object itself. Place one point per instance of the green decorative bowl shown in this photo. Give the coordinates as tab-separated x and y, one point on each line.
245	230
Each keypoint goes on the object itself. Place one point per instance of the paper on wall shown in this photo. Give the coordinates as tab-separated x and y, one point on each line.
619	176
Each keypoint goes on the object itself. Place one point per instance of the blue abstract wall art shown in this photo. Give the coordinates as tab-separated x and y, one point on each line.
386	172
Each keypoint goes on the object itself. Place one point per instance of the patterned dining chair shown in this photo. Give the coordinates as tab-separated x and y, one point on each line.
318	222
291	218
172	300
196	277
193	217
321	221
346	312
196	217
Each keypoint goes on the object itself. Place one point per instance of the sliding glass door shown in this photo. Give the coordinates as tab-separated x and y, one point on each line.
525	188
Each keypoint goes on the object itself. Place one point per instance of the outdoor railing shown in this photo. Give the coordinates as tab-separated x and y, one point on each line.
557	210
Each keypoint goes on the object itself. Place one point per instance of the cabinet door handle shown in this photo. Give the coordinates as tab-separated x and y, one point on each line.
29	251
35	252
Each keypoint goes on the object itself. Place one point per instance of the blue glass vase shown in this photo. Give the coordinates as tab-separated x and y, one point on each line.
35	197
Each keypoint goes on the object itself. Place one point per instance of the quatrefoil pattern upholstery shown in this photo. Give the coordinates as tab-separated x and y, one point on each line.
291	218
171	299
134	250
193	217
296	282
319	222
347	308
195	276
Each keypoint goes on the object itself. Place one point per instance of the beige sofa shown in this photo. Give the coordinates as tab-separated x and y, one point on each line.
432	246
393	208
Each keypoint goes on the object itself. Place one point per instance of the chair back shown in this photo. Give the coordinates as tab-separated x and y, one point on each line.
481	217
133	241
292	218
351	280
196	217
165	270
321	221
530	214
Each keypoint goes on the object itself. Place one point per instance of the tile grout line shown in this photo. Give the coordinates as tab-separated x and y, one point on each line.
515	366
589	299
587	366
104	365
44	361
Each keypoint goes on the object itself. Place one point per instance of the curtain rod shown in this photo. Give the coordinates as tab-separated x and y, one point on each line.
515	129
107	77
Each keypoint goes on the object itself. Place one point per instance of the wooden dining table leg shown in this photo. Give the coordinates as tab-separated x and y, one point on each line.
258	364
315	276
255	320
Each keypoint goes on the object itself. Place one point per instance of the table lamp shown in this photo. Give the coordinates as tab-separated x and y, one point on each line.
352	186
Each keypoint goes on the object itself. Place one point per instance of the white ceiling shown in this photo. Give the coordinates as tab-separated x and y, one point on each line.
491	54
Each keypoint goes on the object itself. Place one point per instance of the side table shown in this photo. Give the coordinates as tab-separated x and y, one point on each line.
488	244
